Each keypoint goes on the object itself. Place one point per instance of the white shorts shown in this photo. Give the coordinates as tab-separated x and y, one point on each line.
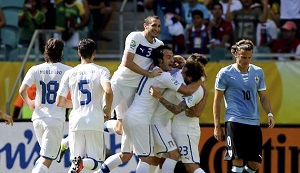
49	132
123	97
87	143
140	135
126	144
163	140
188	147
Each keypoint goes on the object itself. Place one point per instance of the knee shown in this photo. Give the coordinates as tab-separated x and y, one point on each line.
125	157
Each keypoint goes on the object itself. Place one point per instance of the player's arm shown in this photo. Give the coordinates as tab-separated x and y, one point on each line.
62	101
23	93
267	107
176	109
129	63
108	98
264	16
189	89
8	119
196	110
218	132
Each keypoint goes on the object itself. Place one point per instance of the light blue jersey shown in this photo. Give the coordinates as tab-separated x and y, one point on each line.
240	93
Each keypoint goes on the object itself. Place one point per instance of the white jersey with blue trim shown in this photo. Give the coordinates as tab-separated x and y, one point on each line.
47	77
241	93
84	83
161	114
188	125
144	104
137	44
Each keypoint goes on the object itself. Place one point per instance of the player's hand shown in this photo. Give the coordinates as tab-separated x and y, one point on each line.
219	134
155	72
8	119
179	61
271	122
155	92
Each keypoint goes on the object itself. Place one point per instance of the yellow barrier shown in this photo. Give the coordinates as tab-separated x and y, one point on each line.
282	80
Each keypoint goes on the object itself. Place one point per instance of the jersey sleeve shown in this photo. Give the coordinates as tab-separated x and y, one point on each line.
195	98
170	82
131	42
64	85
104	75
261	82
29	78
220	83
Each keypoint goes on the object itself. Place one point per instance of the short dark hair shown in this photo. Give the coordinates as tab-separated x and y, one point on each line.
86	47
147	20
197	12
158	53
194	70
216	3
53	50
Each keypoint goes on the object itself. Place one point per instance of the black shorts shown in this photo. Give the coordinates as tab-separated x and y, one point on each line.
243	142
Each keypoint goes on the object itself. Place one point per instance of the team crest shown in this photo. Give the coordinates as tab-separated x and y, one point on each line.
256	78
190	98
174	81
132	44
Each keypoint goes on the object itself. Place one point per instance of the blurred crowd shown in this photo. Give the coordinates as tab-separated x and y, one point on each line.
188	26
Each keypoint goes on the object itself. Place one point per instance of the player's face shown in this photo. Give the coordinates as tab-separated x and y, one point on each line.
243	59
168	60
153	28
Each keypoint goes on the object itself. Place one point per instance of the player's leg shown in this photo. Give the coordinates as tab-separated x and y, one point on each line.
64	146
77	146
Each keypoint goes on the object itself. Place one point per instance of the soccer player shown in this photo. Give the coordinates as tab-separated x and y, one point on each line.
239	84
137	122
163	141
135	64
8	119
48	119
88	83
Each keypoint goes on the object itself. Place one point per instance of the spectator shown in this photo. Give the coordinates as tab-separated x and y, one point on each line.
172	19
235	5
101	12
266	32
192	5
274	12
289	11
220	31
49	10
30	19
246	20
198	34
67	14
288	43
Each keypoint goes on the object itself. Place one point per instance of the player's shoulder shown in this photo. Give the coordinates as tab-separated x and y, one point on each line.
255	67
135	34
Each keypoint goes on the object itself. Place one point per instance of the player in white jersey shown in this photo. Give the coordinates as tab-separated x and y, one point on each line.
240	84
88	83
135	64
137	122
185	127
48	119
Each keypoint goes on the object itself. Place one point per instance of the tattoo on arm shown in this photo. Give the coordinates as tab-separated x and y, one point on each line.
176	109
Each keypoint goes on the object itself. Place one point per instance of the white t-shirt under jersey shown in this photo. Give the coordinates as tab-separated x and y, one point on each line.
135	43
84	83
47	77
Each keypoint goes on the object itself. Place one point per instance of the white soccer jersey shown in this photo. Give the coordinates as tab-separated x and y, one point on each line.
136	43
188	125
144	104
47	77
161	114
84	83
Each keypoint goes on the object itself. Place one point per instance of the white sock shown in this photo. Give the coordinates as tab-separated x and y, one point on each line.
40	168
111	162
142	167
249	169
199	170
65	141
91	164
169	165
109	126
